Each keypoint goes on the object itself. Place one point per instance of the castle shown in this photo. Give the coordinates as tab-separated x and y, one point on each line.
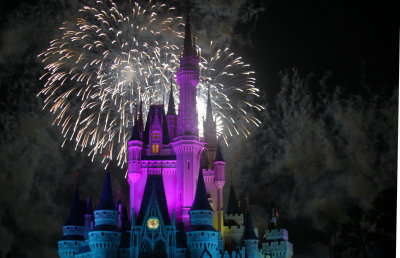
176	183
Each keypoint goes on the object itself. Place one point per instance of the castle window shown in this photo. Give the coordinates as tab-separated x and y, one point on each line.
188	165
156	135
155	148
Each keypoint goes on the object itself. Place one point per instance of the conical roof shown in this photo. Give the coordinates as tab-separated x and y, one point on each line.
89	209
171	103
218	156
200	200
248	233
75	217
135	132
187	45
233	206
107	198
209	116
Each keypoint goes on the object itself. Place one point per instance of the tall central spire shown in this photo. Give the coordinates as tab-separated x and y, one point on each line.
187	46
188	78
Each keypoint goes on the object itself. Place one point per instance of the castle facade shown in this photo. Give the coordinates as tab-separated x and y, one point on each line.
176	181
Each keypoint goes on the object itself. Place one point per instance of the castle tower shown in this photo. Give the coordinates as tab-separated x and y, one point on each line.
234	218
277	243
188	78
171	115
135	146
210	134
73	229
219	170
202	238
187	144
249	238
104	239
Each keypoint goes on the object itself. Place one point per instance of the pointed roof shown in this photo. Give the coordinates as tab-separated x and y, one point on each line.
140	119
135	132
154	189
171	103
248	233
89	209
187	45
75	217
200	200
107	197
218	156
209	116
156	110
233	207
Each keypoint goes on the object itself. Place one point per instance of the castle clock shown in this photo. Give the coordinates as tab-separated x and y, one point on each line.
153	223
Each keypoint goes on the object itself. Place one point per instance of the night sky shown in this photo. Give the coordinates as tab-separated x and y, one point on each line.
325	153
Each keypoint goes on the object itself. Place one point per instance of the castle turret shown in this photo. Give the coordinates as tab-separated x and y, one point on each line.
135	146
104	239
233	224
219	169
73	229
171	115
187	144
249	238
202	238
277	239
210	133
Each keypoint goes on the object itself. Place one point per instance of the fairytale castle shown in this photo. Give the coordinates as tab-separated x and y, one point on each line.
176	183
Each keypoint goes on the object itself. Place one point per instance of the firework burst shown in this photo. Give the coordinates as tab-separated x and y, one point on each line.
107	60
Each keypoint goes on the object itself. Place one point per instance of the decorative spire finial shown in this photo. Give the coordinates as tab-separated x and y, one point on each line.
171	103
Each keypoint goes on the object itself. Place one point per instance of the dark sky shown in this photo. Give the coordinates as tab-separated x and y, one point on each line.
326	144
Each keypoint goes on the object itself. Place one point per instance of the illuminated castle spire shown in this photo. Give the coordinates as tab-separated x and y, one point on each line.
210	133
188	78
171	115
73	229
202	238
249	238
187	144
105	238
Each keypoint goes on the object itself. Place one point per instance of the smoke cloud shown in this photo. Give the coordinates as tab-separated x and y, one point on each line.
316	152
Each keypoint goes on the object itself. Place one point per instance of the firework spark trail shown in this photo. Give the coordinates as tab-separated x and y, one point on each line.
107	60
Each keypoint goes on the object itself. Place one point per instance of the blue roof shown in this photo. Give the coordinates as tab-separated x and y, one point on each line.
76	217
89	209
154	185
200	200
218	156
248	233
107	198
233	207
